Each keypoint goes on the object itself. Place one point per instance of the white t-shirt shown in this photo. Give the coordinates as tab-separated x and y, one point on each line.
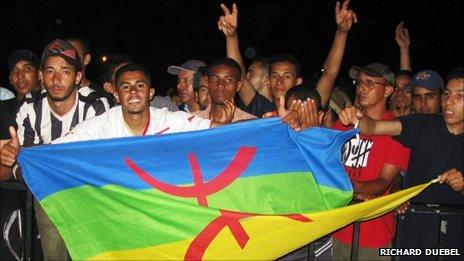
111	125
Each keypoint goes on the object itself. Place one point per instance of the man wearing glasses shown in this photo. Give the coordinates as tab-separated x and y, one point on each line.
372	163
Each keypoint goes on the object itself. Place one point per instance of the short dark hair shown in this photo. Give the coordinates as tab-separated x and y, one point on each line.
174	92
132	67
82	40
304	92
404	72
201	72
456	73
228	62
289	58
263	61
113	61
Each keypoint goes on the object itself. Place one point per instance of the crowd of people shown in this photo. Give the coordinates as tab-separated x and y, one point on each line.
411	124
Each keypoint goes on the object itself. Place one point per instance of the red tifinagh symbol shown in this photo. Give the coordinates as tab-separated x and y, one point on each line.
200	189
230	219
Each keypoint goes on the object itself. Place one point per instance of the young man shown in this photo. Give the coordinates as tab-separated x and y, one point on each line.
200	86
372	163
258	74
47	117
184	74
436	143
427	87
401	99
285	69
135	116
224	78
109	69
24	76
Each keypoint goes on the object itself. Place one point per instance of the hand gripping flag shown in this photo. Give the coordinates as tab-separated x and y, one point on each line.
252	190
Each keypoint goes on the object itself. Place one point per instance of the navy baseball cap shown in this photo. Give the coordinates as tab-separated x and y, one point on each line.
428	79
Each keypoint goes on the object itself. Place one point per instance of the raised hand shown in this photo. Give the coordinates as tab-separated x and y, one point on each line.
402	36
290	117
227	113
309	114
10	151
350	115
227	23
344	17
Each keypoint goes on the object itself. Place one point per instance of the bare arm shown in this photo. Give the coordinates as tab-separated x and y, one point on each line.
344	19
369	126
403	41
379	185
228	25
5	173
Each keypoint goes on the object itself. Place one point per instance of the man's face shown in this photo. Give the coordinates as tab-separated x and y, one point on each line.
176	100
283	77
257	75
452	102
24	77
185	86
133	92
370	90
402	98
426	101
202	94
222	84
59	78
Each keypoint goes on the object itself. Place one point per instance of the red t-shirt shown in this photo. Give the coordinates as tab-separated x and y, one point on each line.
364	162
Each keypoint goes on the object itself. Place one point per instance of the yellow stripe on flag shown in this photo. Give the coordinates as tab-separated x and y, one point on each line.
273	236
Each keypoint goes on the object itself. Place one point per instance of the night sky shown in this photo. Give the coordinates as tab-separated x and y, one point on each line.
162	33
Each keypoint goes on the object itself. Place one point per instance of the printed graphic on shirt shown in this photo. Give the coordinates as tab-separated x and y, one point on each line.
355	154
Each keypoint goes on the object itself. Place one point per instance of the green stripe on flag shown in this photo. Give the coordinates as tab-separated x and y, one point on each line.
93	220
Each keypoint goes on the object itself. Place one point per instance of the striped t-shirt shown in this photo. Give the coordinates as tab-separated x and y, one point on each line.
39	124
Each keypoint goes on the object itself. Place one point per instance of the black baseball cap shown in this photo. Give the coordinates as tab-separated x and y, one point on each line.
22	55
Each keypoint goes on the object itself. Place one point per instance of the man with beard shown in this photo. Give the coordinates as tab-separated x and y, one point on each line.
47	117
427	86
200	85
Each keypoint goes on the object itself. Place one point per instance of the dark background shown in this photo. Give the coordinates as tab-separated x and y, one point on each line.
163	33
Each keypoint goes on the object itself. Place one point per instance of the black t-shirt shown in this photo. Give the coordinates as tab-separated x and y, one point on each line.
258	106
434	150
8	110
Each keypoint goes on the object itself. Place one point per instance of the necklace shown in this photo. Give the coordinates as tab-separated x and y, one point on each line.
136	132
